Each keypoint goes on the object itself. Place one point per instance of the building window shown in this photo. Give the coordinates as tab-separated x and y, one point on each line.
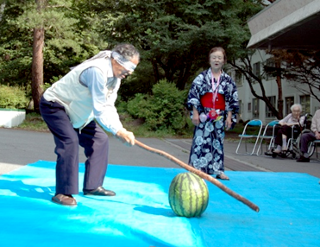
255	108
270	69
269	113
289	101
256	69
249	106
305	103
238	78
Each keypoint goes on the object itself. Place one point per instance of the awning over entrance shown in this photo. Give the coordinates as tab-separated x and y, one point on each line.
287	24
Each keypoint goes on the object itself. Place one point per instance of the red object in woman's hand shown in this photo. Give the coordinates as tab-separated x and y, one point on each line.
212	115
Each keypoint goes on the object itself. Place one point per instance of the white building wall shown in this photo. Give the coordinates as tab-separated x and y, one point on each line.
246	97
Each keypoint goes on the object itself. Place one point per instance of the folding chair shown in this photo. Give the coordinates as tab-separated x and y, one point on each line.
270	127
252	130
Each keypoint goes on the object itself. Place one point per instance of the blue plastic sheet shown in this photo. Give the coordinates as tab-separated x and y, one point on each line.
140	214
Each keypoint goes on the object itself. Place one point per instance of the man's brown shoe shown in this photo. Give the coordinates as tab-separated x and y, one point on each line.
66	200
100	191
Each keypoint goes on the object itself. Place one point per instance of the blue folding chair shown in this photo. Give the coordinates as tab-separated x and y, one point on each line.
252	131
270	127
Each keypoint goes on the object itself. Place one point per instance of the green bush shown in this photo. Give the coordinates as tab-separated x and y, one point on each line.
12	97
163	110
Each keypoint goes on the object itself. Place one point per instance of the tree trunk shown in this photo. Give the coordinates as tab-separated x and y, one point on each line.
183	76
155	70
37	67
280	99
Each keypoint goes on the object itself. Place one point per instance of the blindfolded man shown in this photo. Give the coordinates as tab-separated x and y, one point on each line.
70	106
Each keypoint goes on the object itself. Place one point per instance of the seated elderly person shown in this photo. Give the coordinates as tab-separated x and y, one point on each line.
285	130
308	137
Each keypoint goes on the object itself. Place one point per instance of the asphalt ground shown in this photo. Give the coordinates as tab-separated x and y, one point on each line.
19	148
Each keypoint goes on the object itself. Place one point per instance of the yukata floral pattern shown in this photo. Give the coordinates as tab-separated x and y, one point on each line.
207	152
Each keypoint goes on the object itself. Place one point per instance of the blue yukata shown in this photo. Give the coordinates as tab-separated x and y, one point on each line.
207	152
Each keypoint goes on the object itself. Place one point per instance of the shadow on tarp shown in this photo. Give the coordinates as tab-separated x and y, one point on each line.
140	214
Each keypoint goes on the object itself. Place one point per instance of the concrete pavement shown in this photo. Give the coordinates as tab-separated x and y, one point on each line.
262	162
19	147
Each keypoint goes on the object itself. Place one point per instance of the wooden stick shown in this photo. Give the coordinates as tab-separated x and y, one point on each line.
200	174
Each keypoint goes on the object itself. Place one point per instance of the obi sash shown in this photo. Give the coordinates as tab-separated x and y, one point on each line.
206	101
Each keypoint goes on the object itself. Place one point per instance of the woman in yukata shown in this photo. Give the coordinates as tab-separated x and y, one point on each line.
213	105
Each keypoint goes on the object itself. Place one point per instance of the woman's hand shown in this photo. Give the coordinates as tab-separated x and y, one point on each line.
229	121
195	118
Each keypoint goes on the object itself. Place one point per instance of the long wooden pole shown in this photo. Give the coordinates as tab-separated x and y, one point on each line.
200	174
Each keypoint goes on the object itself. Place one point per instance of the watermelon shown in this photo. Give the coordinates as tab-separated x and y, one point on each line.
188	195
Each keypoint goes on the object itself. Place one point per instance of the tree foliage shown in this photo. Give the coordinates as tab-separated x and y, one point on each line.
176	36
164	109
301	69
69	39
12	97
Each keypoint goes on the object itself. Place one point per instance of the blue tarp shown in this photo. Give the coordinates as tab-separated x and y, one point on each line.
140	214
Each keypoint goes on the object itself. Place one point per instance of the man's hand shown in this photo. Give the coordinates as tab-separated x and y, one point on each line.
317	135
126	137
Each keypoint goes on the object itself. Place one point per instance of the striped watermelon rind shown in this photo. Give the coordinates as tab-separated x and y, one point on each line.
188	195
